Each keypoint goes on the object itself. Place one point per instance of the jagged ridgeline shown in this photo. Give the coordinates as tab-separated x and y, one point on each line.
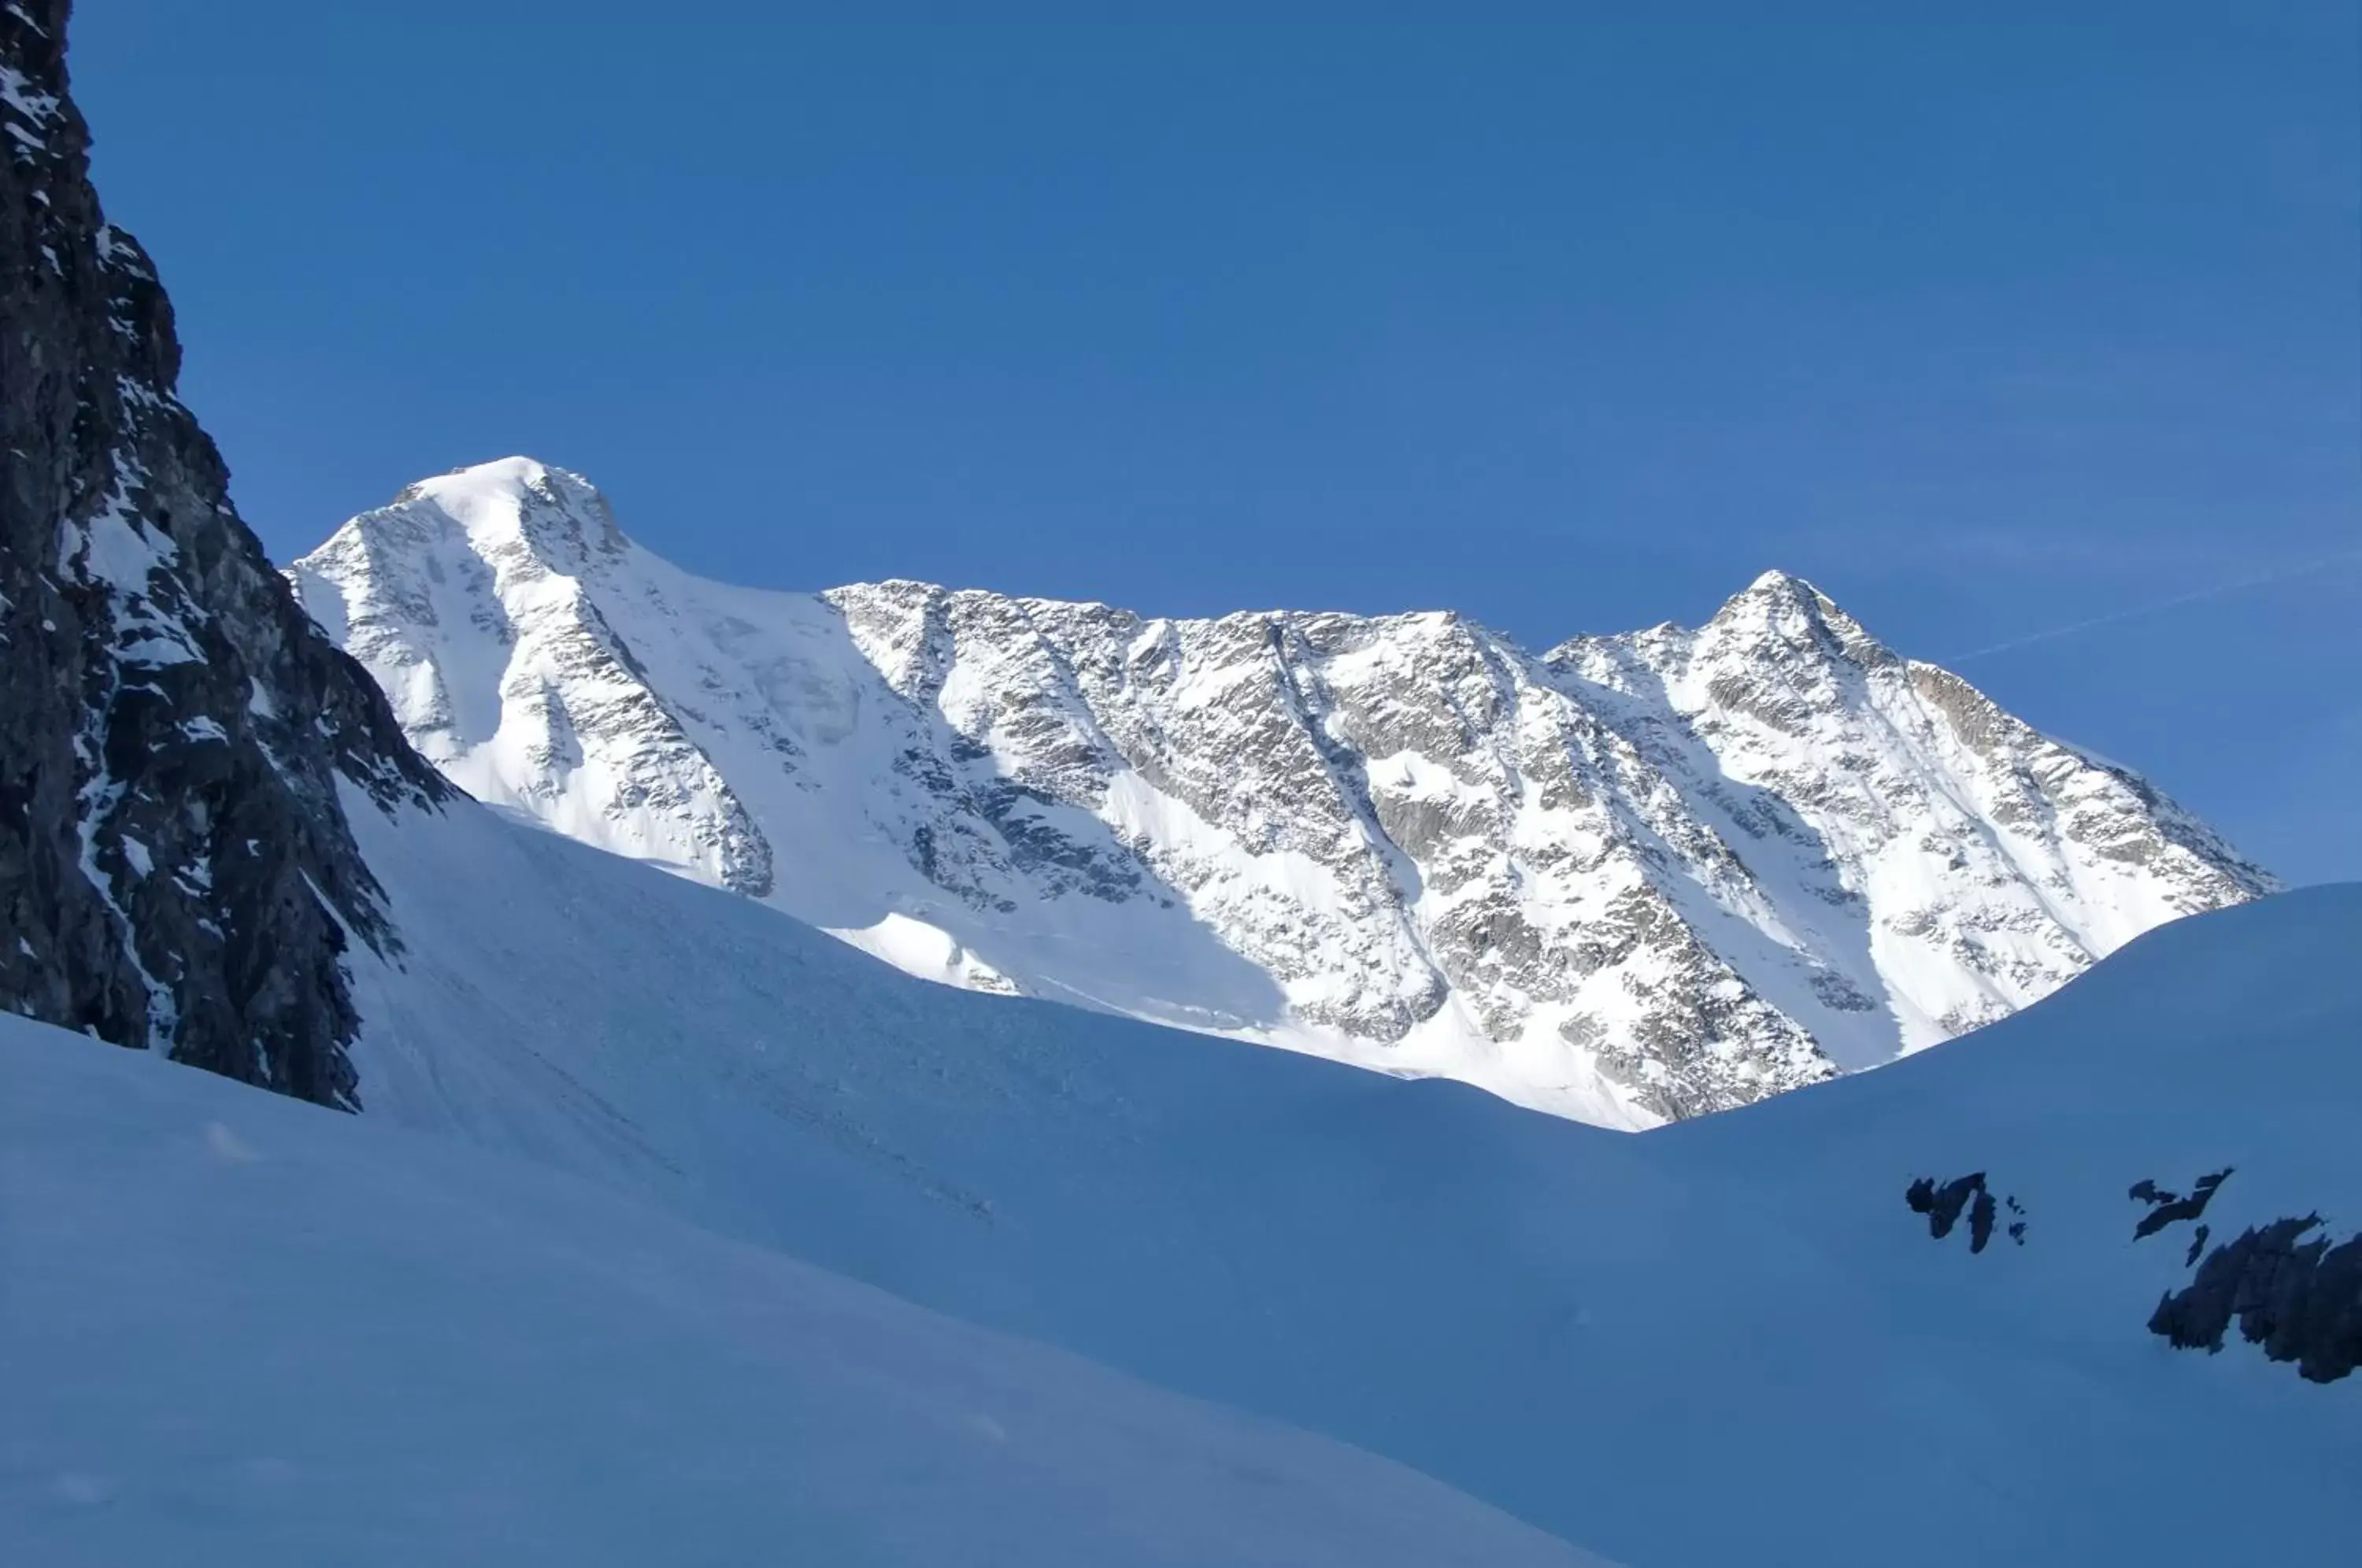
176	868
1631	879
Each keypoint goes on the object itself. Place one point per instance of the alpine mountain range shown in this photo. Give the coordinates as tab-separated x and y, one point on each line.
1631	879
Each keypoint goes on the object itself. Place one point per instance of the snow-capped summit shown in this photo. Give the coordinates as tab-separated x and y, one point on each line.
1636	879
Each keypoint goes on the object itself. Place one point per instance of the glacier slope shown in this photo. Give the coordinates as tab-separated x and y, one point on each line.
1727	1342
241	1329
1636	878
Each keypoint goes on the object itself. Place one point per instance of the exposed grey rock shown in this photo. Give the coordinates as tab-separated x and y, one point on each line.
176	870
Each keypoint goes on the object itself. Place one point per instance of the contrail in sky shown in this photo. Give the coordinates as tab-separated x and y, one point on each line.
2217	591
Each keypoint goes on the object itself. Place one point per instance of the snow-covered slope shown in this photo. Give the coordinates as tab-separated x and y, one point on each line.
241	1329
1636	880
1729	1340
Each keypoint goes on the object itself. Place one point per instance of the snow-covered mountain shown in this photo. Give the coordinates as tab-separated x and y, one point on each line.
237	1327
1944	1315
1636	879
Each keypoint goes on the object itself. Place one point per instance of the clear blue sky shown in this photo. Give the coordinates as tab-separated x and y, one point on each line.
1990	319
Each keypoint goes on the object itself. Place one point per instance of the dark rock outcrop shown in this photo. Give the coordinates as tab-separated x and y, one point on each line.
2170	1208
1943	1203
176	869
2300	1299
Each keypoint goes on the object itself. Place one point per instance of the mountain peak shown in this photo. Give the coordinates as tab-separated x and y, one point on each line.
1776	589
1777	581
496	490
516	471
1786	610
513	506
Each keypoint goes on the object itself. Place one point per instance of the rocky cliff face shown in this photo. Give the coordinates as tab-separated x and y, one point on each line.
176	871
1636	878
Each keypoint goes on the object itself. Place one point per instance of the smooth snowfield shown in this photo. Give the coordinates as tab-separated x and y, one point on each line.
237	1329
1729	1342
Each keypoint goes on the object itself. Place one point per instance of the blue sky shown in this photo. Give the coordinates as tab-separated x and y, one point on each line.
1993	320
